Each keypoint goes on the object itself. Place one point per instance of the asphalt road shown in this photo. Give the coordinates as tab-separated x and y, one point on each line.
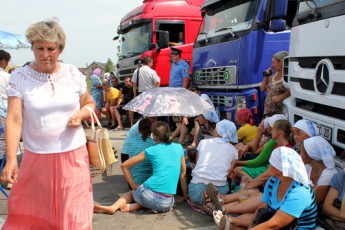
106	190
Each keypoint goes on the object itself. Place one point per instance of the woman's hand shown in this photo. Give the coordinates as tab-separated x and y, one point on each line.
276	99
10	172
74	121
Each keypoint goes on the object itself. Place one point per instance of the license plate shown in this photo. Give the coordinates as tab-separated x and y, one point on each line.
325	132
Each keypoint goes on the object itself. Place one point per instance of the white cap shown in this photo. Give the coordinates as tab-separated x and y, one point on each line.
272	119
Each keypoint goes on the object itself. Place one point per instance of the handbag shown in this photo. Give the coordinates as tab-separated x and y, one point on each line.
264	214
100	150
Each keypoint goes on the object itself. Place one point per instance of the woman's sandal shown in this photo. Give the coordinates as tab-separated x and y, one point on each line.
225	223
217	215
209	208
212	192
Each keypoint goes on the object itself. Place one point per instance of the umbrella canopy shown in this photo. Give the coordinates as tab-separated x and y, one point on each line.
13	41
168	101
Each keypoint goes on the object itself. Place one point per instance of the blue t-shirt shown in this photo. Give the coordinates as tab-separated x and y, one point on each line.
178	71
142	171
132	133
299	202
166	165
338	183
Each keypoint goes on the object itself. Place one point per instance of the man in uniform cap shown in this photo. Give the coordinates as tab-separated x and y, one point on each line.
179	73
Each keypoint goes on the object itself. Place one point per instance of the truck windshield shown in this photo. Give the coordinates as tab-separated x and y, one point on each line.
135	41
228	17
310	5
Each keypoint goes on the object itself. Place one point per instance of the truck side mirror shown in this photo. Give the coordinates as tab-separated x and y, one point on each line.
277	25
163	41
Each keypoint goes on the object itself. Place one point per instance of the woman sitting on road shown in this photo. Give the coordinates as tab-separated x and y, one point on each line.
253	191
216	157
247	200
142	171
334	205
319	155
253	168
287	196
157	193
248	130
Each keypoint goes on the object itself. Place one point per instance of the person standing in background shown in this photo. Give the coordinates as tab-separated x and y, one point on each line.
179	73
96	88
145	77
47	103
5	58
128	95
273	84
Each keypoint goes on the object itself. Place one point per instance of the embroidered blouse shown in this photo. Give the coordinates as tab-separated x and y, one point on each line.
48	101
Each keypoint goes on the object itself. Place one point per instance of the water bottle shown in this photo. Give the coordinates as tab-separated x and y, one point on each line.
244	182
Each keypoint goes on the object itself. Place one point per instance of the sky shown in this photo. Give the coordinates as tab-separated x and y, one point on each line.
89	26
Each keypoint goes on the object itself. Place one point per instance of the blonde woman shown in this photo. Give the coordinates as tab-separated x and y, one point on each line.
46	105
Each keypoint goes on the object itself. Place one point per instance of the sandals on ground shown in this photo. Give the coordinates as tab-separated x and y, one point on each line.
209	208
212	192
225	223
217	215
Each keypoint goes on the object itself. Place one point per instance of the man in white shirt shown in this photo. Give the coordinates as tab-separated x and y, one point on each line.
5	58
147	77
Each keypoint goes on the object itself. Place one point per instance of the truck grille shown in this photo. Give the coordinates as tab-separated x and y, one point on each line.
320	109
219	100
216	76
311	63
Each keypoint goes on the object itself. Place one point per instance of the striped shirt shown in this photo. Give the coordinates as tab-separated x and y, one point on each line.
142	171
299	202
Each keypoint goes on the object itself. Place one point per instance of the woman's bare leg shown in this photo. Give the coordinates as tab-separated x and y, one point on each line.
229	198
176	132
130	207
125	199
241	222
239	173
195	133
248	206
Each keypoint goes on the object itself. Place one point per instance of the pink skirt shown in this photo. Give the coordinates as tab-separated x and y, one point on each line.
53	191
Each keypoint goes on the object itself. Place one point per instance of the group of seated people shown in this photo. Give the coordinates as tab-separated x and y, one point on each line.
292	178
110	96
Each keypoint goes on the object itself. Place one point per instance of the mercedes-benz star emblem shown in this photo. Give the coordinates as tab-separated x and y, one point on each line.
322	77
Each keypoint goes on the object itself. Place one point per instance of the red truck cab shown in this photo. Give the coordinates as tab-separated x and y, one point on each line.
147	30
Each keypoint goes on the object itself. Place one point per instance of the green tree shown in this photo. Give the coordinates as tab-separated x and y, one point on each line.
109	66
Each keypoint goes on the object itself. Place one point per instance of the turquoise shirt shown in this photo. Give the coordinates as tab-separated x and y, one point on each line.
166	165
178	71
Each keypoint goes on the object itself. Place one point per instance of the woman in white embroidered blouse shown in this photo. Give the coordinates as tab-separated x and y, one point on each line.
52	189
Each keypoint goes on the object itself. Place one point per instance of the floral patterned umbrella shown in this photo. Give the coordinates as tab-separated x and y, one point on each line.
13	41
168	101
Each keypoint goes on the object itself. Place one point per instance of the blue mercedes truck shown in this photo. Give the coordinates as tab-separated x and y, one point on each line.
235	44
